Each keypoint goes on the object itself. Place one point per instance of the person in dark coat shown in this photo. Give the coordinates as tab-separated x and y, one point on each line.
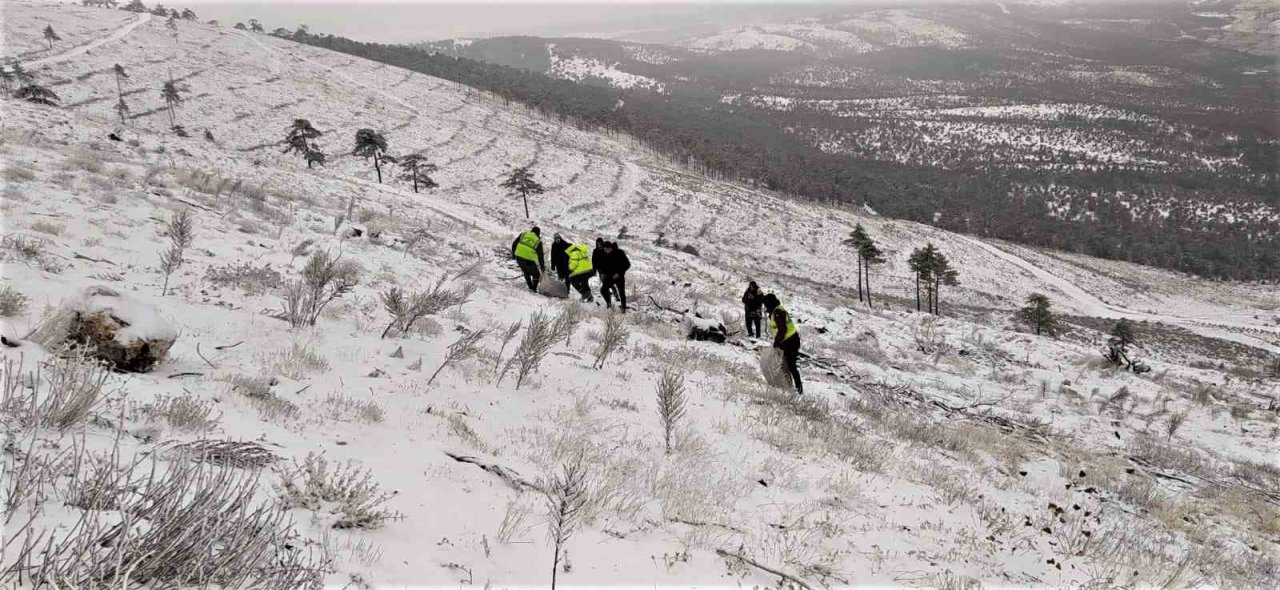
785	337
612	268
527	250
560	259
752	304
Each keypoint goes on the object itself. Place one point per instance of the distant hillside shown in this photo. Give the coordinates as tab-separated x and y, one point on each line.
1123	131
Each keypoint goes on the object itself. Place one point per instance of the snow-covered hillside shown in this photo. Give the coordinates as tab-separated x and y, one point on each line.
925	452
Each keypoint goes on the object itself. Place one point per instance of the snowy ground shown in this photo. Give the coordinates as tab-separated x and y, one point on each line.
924	453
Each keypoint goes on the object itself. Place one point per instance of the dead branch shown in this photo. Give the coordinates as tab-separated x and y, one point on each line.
785	576
204	359
226	346
512	478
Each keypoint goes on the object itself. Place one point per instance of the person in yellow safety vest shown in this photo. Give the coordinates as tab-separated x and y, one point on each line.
580	270
527	250
786	339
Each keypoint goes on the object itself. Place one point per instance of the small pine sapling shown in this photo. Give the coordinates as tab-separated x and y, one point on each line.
181	230
613	337
567	498
464	348
671	402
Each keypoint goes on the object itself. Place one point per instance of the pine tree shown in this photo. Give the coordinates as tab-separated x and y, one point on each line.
856	240
1119	341
172	95
188	14
255	26
300	138
136	6
160	10
50	36
240	27
418	169
1038	316
920	263
521	182
172	24
933	270
121	107
943	274
870	254
371	144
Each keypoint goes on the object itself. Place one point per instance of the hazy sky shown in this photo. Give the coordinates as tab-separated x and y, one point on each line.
399	21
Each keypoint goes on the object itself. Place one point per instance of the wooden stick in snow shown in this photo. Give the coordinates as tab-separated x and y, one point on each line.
762	567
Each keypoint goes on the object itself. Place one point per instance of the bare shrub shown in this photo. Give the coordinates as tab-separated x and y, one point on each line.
12	302
15	173
181	231
181	412
59	394
203	527
83	160
566	499
928	336
465	347
230	453
49	227
407	308
614	336
244	276
512	525
298	361
344	490
32	250
347	409
1173	422
671	402
323	280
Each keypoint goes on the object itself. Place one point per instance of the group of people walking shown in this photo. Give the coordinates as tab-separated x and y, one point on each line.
575	264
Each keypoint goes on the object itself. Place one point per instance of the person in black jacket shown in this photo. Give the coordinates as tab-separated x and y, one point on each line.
612	268
559	258
751	303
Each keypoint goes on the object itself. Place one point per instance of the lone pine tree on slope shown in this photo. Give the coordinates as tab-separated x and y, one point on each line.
418	169
1038	316
521	181
50	36
371	144
300	138
172	95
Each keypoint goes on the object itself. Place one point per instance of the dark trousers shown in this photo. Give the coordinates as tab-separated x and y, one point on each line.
531	273
753	323
609	285
582	284
791	354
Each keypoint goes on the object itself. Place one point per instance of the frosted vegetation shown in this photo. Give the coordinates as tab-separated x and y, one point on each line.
363	394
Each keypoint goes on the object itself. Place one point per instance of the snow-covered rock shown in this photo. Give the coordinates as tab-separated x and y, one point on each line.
117	328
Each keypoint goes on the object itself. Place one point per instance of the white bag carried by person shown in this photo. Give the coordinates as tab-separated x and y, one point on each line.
774	368
551	286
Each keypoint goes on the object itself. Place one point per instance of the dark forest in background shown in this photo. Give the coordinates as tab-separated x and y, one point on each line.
1150	216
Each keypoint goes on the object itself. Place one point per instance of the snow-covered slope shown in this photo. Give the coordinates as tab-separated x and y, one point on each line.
924	452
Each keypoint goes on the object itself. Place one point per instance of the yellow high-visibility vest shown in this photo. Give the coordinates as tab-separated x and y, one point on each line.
791	324
527	248
579	259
